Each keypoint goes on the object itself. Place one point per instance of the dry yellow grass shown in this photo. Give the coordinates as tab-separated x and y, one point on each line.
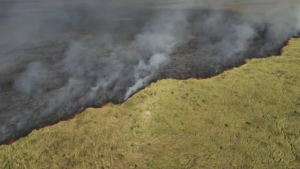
248	117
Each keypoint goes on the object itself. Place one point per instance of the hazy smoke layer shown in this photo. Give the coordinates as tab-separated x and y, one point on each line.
59	57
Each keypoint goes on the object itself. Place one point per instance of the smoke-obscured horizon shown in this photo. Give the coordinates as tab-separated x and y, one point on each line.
58	59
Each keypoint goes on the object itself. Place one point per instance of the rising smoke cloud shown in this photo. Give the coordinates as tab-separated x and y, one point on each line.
87	53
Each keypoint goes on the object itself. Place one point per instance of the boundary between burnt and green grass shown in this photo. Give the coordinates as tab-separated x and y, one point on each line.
245	117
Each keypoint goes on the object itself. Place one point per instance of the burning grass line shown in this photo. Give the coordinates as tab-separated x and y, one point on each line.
73	116
64	120
224	122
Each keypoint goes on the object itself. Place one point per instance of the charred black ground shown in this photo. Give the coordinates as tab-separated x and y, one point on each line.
94	60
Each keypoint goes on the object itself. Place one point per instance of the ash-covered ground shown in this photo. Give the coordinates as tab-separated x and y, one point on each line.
56	62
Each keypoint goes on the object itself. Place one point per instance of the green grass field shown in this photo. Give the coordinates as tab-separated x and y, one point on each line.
248	117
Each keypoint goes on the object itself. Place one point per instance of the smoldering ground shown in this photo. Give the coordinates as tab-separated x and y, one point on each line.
55	64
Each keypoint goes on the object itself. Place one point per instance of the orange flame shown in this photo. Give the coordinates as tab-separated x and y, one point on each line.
10	143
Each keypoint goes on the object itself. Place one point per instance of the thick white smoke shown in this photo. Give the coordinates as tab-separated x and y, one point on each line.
156	61
160	36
